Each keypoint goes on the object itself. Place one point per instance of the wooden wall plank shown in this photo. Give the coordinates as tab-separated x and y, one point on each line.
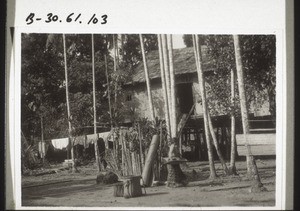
258	150
257	139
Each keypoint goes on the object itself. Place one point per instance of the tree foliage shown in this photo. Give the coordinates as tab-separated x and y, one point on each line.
259	62
42	83
132	48
43	80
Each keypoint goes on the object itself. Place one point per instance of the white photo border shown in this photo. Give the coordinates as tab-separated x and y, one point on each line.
278	29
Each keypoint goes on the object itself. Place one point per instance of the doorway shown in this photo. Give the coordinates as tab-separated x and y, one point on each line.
185	97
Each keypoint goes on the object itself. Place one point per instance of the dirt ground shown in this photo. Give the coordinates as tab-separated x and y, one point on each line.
80	189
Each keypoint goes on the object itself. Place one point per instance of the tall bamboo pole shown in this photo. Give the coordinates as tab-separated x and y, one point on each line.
172	87
141	149
197	51
68	104
115	141
123	154
117	48
160	148
147	79
109	103
121	55
108	91
43	142
94	107
163	70
115	65
167	77
251	164
164	86
232	169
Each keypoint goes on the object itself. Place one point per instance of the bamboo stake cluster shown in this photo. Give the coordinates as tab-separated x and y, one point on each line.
131	162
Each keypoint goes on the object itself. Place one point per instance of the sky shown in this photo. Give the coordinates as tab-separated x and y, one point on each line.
178	41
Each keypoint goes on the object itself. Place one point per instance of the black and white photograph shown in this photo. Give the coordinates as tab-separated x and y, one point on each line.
148	120
153	105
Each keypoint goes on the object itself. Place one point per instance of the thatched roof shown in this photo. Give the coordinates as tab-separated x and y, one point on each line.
184	62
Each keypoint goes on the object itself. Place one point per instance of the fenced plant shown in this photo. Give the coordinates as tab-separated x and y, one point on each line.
131	145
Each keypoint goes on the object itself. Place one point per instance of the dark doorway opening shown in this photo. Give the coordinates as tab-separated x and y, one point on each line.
185	97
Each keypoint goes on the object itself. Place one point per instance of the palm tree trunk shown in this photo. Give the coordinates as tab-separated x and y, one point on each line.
251	164
147	79
197	51
68	105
